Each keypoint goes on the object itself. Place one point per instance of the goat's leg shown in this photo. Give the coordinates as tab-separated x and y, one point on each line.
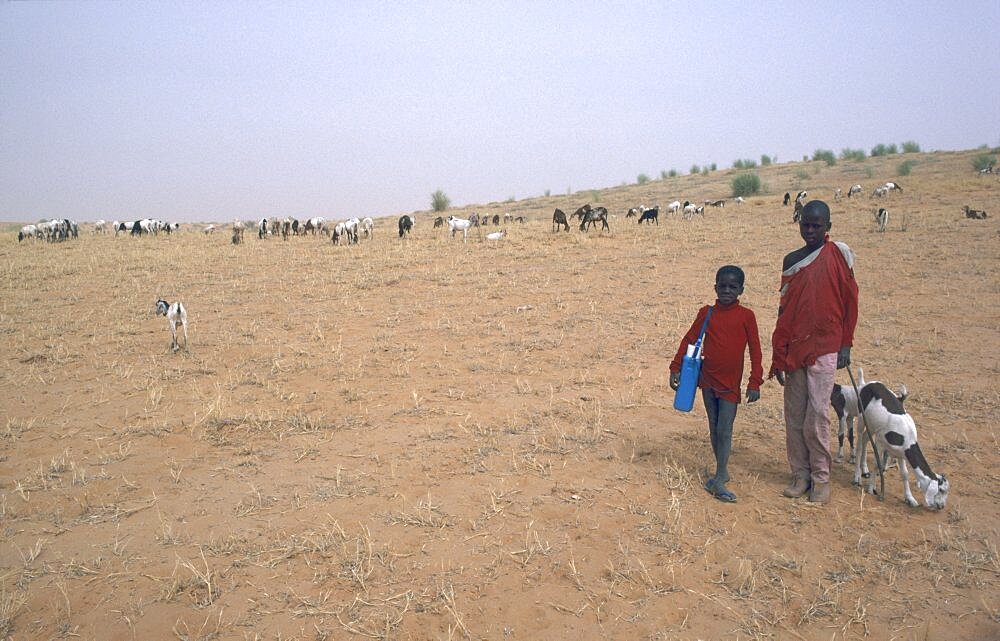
850	435
907	494
861	463
839	458
173	336
185	326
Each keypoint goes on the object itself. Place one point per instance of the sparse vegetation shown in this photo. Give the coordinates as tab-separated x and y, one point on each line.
826	156
746	184
884	150
802	174
765	160
904	168
982	161
747	163
642	179
440	201
852	154
595	196
695	169
910	147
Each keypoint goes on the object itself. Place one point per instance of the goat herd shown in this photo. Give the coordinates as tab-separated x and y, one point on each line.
353	229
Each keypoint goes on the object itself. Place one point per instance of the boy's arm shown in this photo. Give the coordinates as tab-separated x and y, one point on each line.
689	338
756	355
849	299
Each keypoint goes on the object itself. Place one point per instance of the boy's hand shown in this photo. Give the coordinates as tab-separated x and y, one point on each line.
753	395
778	374
675	380
844	357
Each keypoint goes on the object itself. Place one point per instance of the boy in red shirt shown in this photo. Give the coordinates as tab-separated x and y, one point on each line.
730	330
817	315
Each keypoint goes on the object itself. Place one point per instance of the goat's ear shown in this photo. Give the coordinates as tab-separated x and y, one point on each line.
902	393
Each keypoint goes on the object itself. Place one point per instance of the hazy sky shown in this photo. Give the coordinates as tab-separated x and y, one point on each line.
216	110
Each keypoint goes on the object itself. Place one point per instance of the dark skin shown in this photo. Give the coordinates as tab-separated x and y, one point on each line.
813	226
728	289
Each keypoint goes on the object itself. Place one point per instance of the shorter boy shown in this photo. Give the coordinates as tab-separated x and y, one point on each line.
731	329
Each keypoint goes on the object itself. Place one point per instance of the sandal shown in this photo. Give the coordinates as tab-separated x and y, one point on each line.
725	496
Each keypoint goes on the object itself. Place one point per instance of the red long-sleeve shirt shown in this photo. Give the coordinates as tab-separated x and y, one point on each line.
818	310
730	330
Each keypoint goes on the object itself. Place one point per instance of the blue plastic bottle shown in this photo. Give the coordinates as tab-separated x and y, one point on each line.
690	372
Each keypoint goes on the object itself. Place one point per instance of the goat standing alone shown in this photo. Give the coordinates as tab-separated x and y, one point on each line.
881	218
176	316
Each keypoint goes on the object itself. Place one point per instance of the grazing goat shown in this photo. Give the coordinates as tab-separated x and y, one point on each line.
28	231
674	207
496	219
855	190
581	211
262	228
559	218
368	227
881	218
975	214
176	317
438	222
716	203
474	219
99	227
988	169
209	229
895	433
405	225
836	193
314	225
797	214
787	198
650	215
891	186
519	219
497	235
590	219
738	200
459	224
633	212
690	210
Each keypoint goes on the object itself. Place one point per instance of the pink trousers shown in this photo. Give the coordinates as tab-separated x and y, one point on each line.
807	421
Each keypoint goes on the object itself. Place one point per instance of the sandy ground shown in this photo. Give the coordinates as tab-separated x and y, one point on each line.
427	439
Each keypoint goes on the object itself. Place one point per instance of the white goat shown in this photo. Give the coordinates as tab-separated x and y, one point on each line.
368	227
459	224
497	235
895	433
209	229
176	317
855	190
674	207
99	226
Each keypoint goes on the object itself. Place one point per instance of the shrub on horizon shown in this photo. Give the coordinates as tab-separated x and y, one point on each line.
746	184
642	179
982	161
884	150
910	147
765	160
826	156
439	201
852	154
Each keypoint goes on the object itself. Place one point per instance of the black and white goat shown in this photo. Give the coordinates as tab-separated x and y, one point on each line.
975	214
405	225
895	433
176	317
881	219
845	404
855	190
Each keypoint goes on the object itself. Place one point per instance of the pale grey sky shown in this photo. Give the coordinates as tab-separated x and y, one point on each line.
211	111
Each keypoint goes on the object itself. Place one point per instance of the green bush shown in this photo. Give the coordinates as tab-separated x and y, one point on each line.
714	166
744	163
548	192
704	170
869	171
642	179
910	147
746	184
982	161
884	150
695	169
852	154
903	169
826	156
765	160
802	174
439	201
595	196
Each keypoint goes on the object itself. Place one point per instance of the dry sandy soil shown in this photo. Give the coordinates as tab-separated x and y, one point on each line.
426	439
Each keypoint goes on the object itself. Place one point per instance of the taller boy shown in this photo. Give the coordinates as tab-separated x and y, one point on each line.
812	338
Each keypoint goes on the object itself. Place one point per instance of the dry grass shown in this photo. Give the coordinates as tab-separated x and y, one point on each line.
426	439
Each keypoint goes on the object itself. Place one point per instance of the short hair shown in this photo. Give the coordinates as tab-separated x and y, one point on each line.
731	269
817	208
